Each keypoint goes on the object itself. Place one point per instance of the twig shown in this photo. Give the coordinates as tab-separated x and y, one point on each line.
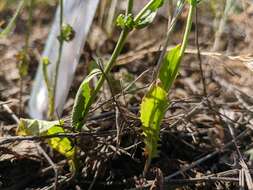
8	110
42	151
6	140
208	156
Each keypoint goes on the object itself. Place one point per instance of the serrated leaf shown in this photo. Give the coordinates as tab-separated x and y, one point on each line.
40	128
152	111
149	14
169	67
82	97
12	22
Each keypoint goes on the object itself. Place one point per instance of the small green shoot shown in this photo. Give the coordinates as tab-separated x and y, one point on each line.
82	97
127	24
155	103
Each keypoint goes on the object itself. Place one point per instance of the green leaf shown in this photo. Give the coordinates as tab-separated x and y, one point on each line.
153	108
169	68
156	5
40	128
11	24
35	127
63	145
148	13
82	97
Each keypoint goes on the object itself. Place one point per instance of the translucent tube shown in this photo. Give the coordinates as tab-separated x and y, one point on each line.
79	14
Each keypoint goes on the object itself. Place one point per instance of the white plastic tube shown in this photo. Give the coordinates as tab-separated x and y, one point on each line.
79	14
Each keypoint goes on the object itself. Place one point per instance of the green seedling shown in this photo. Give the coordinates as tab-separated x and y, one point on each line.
155	103
127	22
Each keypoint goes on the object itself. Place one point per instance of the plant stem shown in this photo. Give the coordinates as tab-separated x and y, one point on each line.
110	64
187	30
108	67
52	99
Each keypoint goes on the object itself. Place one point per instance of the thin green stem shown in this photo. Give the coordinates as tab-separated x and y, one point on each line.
108	67
187	30
129	7
56	72
110	64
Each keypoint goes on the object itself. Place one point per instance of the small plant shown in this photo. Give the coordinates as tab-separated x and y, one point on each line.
127	22
155	103
85	95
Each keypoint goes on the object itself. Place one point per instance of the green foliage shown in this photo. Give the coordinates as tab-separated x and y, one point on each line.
153	106
152	111
154	103
62	145
82	97
156	5
169	68
41	128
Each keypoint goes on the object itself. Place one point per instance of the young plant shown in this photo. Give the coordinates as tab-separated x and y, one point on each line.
155	103
127	22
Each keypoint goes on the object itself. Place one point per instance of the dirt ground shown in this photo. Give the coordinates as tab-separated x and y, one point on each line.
206	136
